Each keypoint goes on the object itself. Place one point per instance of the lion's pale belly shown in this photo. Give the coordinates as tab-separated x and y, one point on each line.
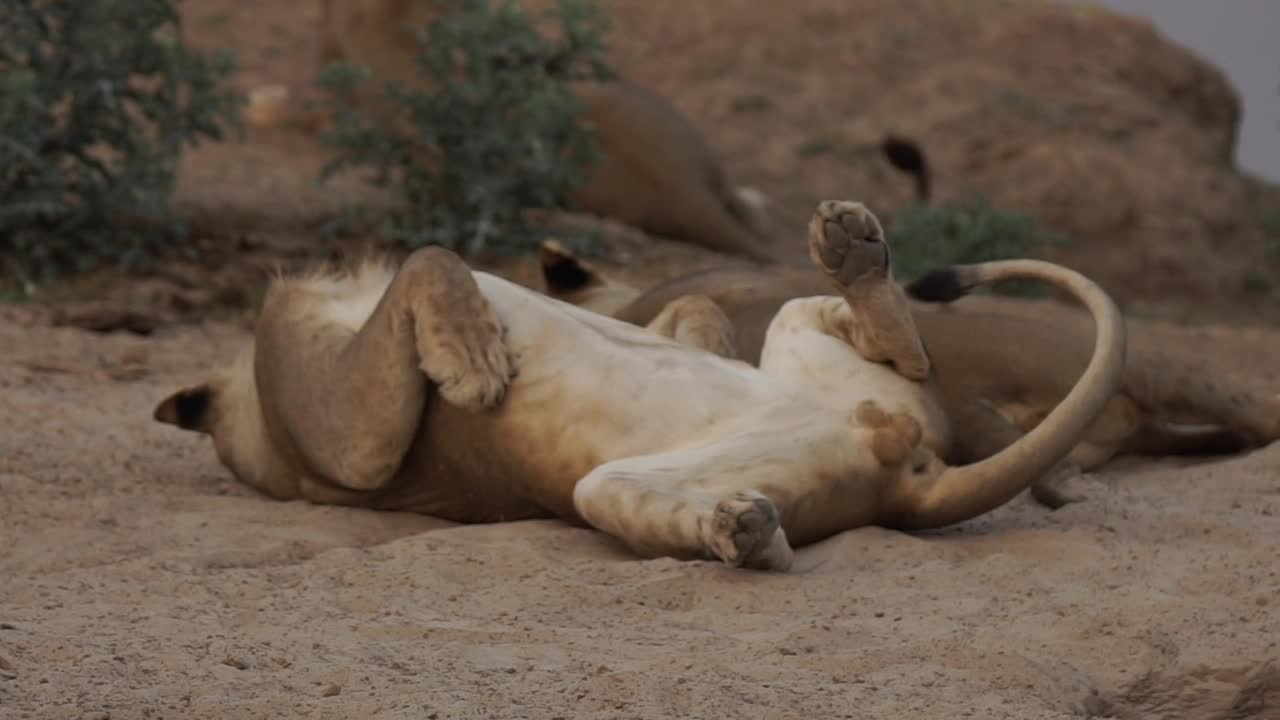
588	390
525	457
841	378
591	390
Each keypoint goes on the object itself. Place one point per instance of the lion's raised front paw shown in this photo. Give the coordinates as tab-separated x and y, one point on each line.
479	390
475	376
846	241
746	532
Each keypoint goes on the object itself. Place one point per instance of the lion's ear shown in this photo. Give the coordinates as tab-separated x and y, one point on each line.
563	272
188	408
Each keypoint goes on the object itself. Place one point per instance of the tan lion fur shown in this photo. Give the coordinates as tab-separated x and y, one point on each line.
440	390
981	360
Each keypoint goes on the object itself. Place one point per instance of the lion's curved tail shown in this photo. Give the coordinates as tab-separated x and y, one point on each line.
962	492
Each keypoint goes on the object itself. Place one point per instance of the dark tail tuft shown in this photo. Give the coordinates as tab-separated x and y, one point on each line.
907	156
942	285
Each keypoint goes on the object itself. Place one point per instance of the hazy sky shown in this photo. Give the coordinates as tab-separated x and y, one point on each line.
1243	38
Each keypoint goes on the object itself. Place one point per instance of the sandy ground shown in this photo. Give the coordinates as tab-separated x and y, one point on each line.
141	581
138	580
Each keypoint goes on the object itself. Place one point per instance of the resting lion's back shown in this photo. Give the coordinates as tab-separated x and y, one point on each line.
657	171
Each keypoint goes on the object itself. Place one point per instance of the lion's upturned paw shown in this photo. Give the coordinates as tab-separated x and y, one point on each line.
481	388
1063	485
846	241
746	533
475	376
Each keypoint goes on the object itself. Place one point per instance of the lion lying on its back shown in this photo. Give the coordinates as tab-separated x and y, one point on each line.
998	375
440	390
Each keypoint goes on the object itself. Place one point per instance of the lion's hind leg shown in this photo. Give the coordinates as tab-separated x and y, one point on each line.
744	499
1178	387
343	369
848	245
692	503
864	344
696	321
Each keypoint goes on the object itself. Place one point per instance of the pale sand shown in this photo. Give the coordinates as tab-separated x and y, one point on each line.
138	580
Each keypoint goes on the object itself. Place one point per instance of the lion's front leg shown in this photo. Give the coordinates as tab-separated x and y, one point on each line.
345	402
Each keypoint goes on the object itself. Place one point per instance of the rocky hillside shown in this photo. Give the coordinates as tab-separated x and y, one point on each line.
1090	120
